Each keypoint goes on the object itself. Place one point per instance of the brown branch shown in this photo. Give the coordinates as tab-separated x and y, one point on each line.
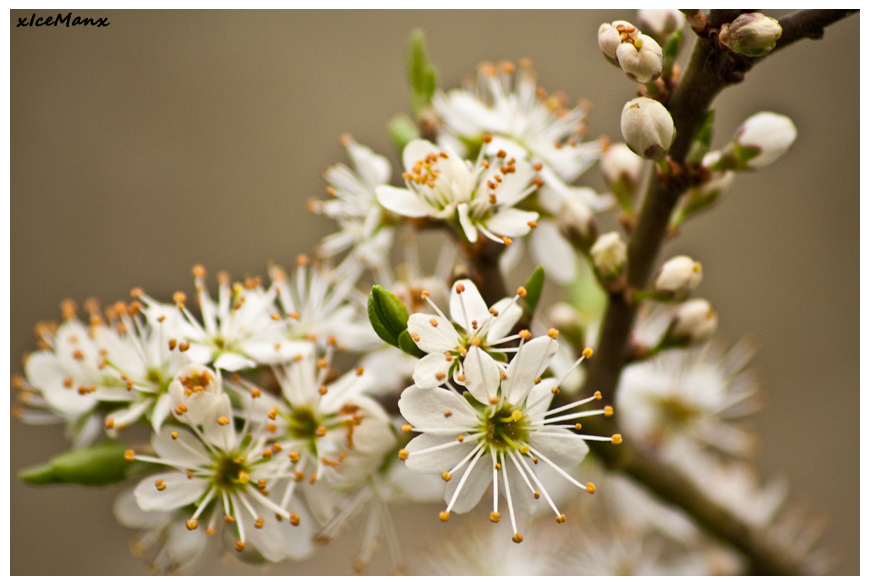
709	72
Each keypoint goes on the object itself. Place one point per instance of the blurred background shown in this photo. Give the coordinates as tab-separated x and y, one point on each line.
173	138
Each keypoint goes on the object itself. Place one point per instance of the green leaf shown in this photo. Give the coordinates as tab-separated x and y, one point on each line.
671	50
534	286
387	314
421	74
702	139
406	343
93	466
402	131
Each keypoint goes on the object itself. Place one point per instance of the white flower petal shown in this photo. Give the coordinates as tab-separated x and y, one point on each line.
436	461
179	491
475	308
433	339
481	375
522	496
542	389
404	202
186	451
474	487
428	369
129	514
561	446
425	408
417	150
467	225
373	168
508	314
553	252
528	365
233	362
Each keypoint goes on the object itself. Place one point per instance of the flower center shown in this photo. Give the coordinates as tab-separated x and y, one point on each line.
675	412
303	423
507	428
230	472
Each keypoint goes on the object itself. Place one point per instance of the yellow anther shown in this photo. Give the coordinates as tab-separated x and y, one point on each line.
537	495
403	454
508	241
321	431
313	479
553	333
294	457
494	517
560	519
517	538
406	427
276	316
446	476
521	291
160	485
608	411
179	298
190	474
415	336
255	393
198	271
587	352
516	415
460	288
223	420
228	519
475	342
444	516
460	378
191	524
172	344
331	341
180	409
136	292
293	315
322	363
210	531
524	449
294	518
578	426
597	395
276	447
267	454
460	438
243	478
434	323
110	423
129	455
360	371
448	413
590	487
440	375
271	427
273	413
525	334
258	524
493	401
240	546
183	346
554	391
424	294
498	466
532	224
322	390
616	439
298	476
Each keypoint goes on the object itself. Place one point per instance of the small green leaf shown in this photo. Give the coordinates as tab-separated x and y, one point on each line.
421	74
406	343
671	50
93	466
387	314
702	139
402	131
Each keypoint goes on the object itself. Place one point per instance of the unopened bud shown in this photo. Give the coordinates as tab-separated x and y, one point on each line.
695	322
768	133
660	23
648	128
609	256
641	60
622	170
751	34
610	38
677	278
577	221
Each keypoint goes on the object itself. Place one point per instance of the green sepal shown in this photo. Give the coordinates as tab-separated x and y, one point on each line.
702	139
736	158
387	314
402	131
94	466
534	286
406	343
421	74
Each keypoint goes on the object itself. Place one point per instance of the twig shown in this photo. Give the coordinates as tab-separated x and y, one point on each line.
708	73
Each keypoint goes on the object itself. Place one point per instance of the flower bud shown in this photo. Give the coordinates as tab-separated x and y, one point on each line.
660	23
622	170
610	36
648	128
751	34
641	60
695	322
577	221
609	255
771	134
677	278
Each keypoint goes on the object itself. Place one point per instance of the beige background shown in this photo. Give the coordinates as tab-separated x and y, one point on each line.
174	138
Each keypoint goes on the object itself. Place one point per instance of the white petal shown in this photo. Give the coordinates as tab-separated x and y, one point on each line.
433	339
467	225
481	375
436	461
508	314
475	308
45	372
179	491
185	451
561	446
553	252
221	436
475	485
542	389
129	514
417	150
511	257
427	369
160	411
511	222
404	202
373	168
527	366
233	362
522	497
425	408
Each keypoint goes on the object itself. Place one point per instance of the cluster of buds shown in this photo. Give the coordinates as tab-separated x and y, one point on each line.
639	55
